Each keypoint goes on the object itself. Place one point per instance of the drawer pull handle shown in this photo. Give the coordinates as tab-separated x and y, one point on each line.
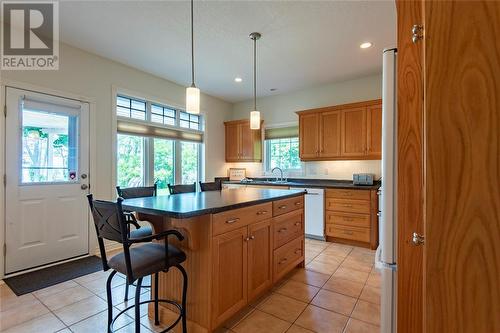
283	261
347	206
262	212
348	232
282	207
298	251
282	229
298	223
232	220
298	203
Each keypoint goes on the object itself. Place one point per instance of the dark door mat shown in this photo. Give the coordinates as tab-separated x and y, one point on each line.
43	278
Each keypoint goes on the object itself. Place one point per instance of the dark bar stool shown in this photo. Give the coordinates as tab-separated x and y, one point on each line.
211	186
136	262
139	231
176	189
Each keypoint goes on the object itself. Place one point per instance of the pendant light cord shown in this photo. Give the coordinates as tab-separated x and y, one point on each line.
192	45
255	74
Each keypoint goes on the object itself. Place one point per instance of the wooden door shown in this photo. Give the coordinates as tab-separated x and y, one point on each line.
462	169
259	258
309	136
229	269
410	168
232	142
354	132
329	134
374	131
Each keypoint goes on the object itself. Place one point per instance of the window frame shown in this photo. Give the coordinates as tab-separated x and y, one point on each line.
267	157
148	148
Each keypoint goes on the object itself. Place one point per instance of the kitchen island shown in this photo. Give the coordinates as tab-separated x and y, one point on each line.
238	243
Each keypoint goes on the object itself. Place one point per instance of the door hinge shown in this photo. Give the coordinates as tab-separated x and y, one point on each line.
417	33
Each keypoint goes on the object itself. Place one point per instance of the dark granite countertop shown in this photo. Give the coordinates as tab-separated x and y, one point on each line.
187	205
312	183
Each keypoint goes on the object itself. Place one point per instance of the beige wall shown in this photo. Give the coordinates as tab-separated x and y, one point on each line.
280	110
92	76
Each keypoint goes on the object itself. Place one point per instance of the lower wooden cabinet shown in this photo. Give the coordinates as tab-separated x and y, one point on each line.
247	261
351	216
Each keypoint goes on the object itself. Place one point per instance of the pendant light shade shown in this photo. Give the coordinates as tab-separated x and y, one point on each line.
192	93
192	100
255	114
255	120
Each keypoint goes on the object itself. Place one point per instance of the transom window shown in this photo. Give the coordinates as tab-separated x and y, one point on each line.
163	115
191	121
130	108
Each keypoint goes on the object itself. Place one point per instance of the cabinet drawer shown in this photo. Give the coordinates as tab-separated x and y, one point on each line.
288	226
287	205
348	194
352	233
352	220
348	206
237	218
287	257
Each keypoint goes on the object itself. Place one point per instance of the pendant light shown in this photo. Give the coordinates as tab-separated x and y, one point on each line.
192	93
255	114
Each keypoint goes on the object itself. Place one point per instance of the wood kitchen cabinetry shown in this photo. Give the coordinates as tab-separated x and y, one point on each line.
242	143
253	247
351	217
342	132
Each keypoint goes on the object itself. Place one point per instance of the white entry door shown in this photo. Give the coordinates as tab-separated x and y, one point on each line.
47	164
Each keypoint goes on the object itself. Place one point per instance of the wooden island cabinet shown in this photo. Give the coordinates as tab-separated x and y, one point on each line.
341	132
233	256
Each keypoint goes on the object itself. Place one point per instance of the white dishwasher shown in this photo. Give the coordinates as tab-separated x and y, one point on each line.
314	212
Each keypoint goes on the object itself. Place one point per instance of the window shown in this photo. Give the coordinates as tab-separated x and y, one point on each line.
283	153
148	151
162	115
49	147
130	161
191	121
130	108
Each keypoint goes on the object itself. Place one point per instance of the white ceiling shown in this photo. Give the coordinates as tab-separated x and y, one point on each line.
304	43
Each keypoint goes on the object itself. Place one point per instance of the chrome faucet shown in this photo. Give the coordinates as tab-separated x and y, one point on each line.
281	171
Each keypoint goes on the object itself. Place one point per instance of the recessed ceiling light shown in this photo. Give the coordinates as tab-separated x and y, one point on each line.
366	45
238	79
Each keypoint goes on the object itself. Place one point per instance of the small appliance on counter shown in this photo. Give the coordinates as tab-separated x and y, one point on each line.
363	178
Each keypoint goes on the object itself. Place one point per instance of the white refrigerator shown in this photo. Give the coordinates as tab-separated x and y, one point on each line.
386	257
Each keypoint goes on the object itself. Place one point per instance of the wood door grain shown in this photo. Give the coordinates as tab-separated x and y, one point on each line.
260	247
309	136
329	134
232	142
462	210
229	269
374	131
354	132
410	168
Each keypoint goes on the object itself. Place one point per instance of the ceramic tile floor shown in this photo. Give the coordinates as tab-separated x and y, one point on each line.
338	291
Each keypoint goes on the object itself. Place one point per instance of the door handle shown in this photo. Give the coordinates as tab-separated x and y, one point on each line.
84	186
417	239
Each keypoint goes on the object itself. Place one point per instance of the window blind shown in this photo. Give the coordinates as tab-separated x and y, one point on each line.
151	130
281	132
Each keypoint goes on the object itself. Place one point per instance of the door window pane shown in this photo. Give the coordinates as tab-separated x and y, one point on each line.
163	164
130	160
49	147
189	162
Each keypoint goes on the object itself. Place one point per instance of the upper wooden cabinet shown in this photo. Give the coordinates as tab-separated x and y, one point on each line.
342	132
242	143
